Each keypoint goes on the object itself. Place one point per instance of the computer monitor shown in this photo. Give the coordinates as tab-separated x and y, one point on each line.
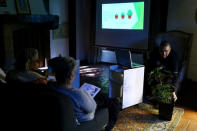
123	57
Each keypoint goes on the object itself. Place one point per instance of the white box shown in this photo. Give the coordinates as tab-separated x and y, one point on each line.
127	84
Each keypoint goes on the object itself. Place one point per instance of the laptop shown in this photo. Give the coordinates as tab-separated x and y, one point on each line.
124	59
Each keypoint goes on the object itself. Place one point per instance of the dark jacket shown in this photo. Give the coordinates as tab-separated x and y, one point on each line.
170	63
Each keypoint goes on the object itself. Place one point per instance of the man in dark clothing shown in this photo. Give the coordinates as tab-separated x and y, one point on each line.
167	58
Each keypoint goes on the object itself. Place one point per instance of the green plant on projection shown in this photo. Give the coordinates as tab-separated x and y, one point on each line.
129	13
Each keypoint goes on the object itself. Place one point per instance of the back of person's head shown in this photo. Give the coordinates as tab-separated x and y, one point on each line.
26	58
63	67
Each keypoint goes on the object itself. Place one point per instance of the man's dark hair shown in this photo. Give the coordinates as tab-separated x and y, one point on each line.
164	43
63	68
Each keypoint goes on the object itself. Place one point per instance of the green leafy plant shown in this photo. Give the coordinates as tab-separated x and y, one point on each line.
116	16
129	13
160	81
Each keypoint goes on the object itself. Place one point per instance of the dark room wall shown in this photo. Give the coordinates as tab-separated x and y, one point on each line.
59	44
84	27
8	26
158	19
36	7
181	16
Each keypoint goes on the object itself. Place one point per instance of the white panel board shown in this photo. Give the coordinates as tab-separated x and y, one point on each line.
133	86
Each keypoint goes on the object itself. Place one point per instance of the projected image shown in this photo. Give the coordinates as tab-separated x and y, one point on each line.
123	16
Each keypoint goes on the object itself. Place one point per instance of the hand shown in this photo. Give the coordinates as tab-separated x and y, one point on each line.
174	96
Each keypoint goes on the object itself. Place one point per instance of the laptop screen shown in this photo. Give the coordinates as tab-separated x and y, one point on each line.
123	57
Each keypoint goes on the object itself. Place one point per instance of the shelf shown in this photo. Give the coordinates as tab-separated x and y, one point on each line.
41	21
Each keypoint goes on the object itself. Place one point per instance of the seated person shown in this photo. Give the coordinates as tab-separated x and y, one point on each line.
23	68
84	105
164	57
34	64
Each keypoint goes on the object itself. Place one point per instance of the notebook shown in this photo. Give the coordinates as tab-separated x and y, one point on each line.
91	89
124	59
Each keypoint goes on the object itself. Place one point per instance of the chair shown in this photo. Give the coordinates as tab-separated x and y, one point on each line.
181	42
30	107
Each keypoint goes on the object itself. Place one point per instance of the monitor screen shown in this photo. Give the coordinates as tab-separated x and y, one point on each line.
123	57
122	23
123	16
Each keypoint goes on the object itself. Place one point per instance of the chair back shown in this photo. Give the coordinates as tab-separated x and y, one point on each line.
180	41
28	107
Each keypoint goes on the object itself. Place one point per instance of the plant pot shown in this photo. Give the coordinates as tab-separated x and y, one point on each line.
129	17
165	111
116	17
122	16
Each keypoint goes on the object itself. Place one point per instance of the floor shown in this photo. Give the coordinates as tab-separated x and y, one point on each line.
188	121
188	102
95	74
98	75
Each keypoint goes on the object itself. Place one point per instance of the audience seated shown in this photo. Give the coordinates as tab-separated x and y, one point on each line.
35	107
23	72
84	105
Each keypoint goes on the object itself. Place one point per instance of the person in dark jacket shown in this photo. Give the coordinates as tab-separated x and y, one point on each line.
165	57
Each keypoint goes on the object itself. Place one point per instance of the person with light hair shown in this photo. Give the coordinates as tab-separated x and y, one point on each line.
24	68
83	103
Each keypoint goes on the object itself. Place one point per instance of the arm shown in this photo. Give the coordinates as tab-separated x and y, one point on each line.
174	70
175	74
174	96
2	74
87	103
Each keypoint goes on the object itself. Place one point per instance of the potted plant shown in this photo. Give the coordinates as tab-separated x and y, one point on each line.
122	15
160	81
116	16
129	13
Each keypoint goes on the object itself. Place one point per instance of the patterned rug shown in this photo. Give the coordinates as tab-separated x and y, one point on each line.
144	117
